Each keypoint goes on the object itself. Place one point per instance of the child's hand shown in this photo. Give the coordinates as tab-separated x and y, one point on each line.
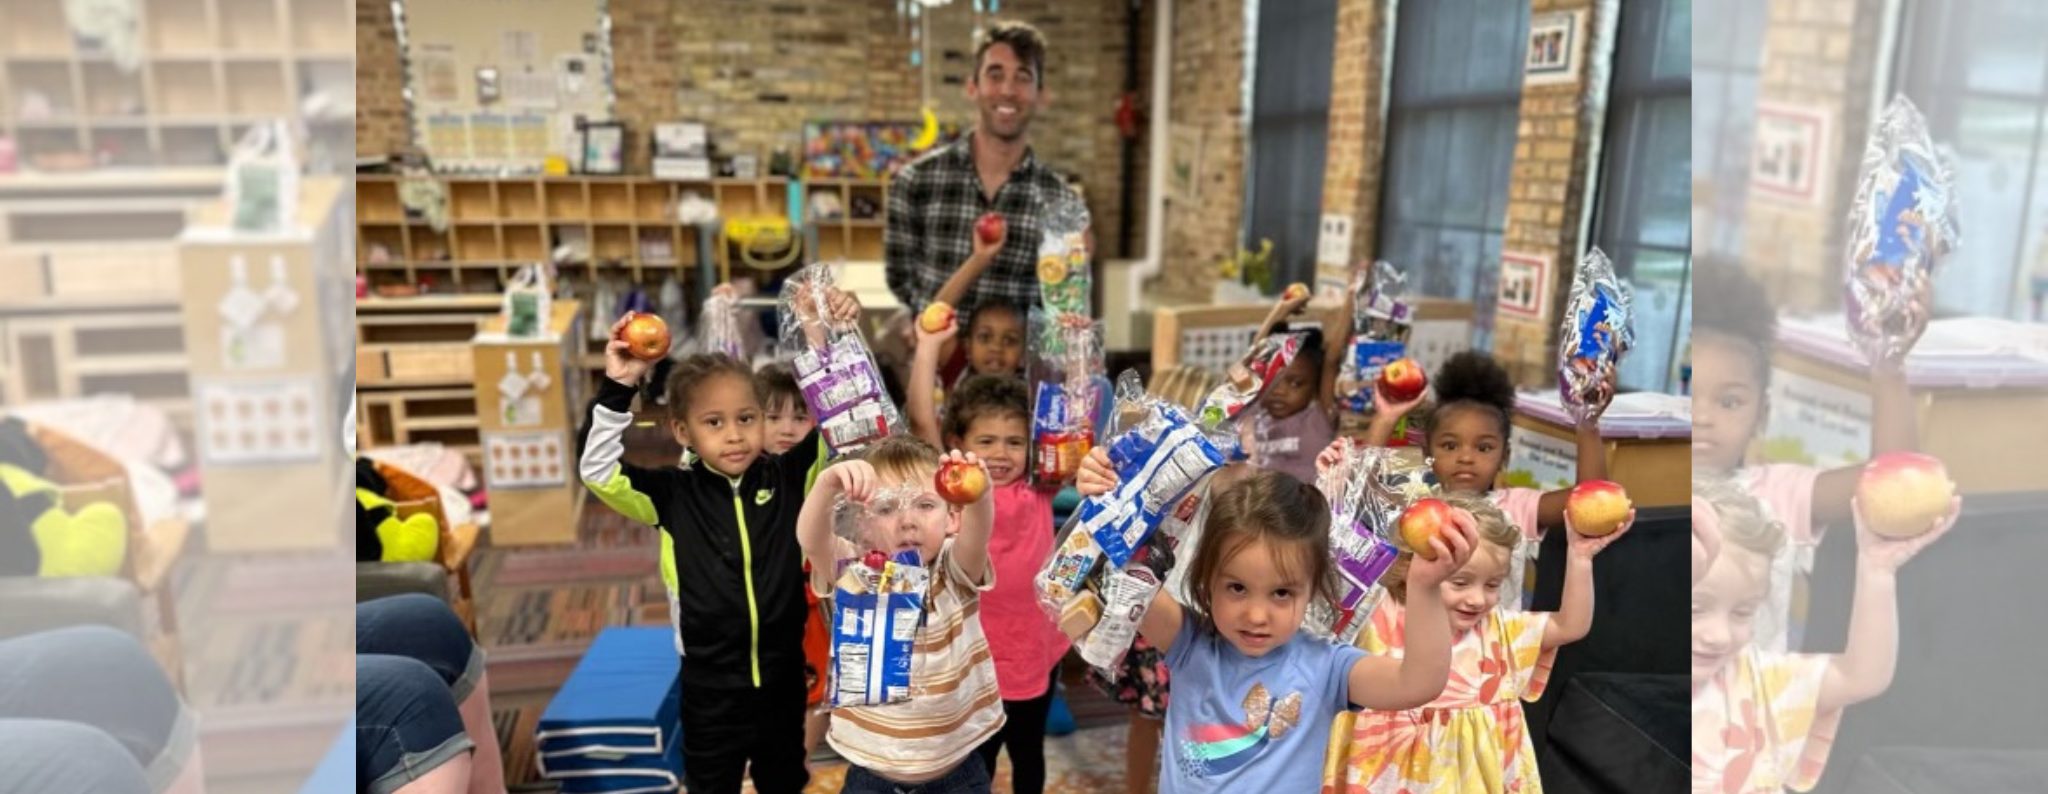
1332	454
1603	396
934	339
1585	547
985	253
1096	477
1289	306
1453	548
971	459
854	479
1889	555
842	306
1390	412
620	365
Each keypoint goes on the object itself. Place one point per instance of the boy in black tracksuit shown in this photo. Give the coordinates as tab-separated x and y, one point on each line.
731	511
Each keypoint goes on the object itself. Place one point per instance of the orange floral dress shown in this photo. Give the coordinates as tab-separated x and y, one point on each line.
1757	727
1472	739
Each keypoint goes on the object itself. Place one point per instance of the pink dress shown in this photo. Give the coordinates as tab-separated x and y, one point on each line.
1024	641
1757	727
1520	506
1786	491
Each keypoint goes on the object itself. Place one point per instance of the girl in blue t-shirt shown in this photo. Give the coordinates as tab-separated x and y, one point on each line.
1253	700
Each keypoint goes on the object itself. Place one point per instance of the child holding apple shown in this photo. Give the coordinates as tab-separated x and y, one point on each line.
1466	441
1471	739
1300	405
895	746
1733	336
1764	720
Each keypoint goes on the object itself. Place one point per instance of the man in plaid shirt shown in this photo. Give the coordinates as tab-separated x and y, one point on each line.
935	201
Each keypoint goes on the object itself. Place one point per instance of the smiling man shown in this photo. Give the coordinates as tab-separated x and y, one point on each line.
934	202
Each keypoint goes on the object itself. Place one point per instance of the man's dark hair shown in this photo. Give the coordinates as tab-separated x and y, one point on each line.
1023	39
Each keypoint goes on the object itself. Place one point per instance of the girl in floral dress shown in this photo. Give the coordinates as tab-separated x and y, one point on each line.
1472	738
1764	721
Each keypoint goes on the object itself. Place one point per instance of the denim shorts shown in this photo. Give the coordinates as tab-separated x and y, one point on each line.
415	662
970	777
100	679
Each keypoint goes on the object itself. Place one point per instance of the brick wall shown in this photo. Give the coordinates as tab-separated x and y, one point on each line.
1546	191
1351	179
1208	71
1818	57
380	83
755	72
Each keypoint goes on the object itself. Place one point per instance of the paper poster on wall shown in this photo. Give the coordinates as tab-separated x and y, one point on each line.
1522	278
246	422
448	136
1333	243
519	47
529	136
1553	48
1789	153
437	75
525	460
1184	168
573	73
530	88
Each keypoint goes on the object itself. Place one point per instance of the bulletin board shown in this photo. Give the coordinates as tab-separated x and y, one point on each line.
500	84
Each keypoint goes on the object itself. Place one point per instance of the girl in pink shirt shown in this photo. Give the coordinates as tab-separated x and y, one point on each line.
990	416
1467	444
1733	335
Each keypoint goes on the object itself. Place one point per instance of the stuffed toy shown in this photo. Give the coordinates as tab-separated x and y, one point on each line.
381	536
90	542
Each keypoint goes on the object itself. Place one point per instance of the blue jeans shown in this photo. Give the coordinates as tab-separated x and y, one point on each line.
89	689
414	664
970	777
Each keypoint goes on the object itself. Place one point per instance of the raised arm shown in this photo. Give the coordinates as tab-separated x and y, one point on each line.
1864	668
924	379
977	520
1894	427
1162	621
970	271
1336	345
852	478
1592	460
1383	683
600	458
1574	617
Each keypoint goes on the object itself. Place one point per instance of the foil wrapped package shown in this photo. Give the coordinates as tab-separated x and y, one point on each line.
1598	329
1381	321
876	613
1901	222
840	382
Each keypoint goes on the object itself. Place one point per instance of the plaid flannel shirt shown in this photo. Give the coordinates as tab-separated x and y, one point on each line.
933	204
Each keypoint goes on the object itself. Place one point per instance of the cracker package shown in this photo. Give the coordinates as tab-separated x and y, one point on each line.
1902	221
877	607
1598	329
841	384
1381	320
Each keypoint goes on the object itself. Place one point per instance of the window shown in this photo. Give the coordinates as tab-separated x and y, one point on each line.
1978	70
1728	49
1451	125
1644	217
1290	118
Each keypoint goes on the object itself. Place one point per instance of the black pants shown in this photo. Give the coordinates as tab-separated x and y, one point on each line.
724	729
1023	732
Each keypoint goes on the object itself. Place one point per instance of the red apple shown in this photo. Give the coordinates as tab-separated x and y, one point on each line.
989	228
960	482
646	336
875	558
1295	291
936	317
1402	380
1903	494
1422	521
1597	508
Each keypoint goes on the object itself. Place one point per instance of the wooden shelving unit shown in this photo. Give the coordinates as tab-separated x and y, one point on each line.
414	376
847	237
209	70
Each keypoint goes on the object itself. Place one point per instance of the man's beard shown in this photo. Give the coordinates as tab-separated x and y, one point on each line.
990	123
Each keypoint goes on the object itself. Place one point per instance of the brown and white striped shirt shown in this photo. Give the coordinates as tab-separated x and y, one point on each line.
954	705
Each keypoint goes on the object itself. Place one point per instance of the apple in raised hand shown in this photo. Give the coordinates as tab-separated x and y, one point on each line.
1903	494
1423	520
1597	508
960	482
1402	380
990	228
1295	292
646	336
936	317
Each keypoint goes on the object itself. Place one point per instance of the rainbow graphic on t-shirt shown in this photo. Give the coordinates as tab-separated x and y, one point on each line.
1212	750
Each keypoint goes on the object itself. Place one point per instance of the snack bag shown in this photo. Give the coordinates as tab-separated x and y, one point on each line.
1248	379
1598	329
1126	596
1902	221
718	327
1367	489
1066	361
841	384
1381	321
877	607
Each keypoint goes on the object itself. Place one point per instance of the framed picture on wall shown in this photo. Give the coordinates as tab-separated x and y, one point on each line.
1552	56
603	147
1788	158
1522	279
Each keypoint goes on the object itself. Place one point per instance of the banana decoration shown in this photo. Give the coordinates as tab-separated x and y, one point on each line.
929	135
